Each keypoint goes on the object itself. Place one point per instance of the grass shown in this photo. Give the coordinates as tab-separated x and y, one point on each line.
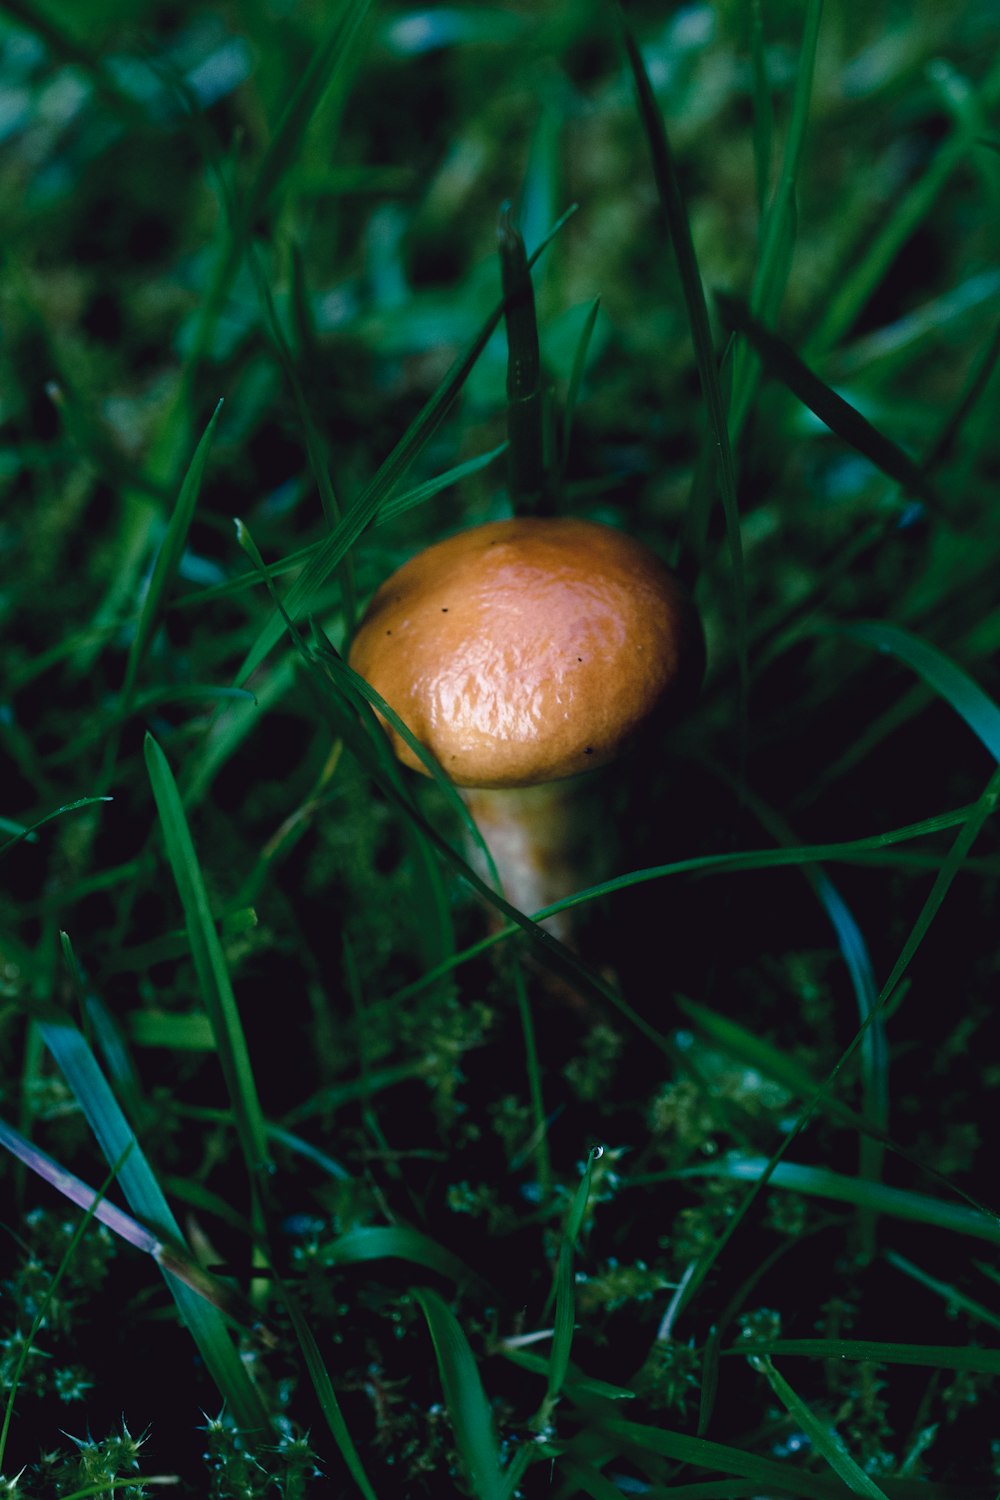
401	1196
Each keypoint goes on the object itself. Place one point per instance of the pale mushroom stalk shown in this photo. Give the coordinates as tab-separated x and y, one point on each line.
524	654
533	836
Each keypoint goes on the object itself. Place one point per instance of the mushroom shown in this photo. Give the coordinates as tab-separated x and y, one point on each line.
522	654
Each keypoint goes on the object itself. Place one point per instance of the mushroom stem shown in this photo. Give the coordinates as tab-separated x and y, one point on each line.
532	834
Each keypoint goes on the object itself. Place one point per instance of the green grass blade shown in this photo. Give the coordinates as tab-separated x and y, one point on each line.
952	1297
399	504
525	458
314	446
779	226
562	1337
145	1198
784	364
679	228
775	258
168	559
704	1454
823	1435
858	283
468	1408
210	963
819	1182
539	1145
330	60
327	1396
302	594
936	1356
26	833
953	684
763	108
576	380
397	1242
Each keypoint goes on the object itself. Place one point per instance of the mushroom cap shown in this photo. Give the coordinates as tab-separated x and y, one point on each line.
529	650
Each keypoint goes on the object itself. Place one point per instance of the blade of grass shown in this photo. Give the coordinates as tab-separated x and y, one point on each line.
468	1408
565	1301
145	1197
679	230
327	1396
575	381
210	963
704	1454
953	684
937	1356
525	463
26	833
779	226
824	1437
315	448
954	1299
856	285
397	1242
763	108
819	1182
784	364
330	60
168	560
539	1131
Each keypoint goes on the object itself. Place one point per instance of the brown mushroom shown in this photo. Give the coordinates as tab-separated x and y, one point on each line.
523	653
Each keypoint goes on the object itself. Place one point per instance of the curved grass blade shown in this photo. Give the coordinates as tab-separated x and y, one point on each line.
26	833
210	962
525	458
168	560
679	228
314	446
575	381
763	109
820	1182
397	1242
562	1336
860	280
781	362
145	1198
323	1386
824	1436
950	1294
779	225
936	1356
327	64
951	682
468	1408
392	508
704	1454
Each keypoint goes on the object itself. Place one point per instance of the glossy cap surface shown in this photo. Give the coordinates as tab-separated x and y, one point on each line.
528	650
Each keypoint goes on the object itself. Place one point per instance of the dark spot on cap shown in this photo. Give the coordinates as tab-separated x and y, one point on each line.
388	632
579	658
444	609
589	750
